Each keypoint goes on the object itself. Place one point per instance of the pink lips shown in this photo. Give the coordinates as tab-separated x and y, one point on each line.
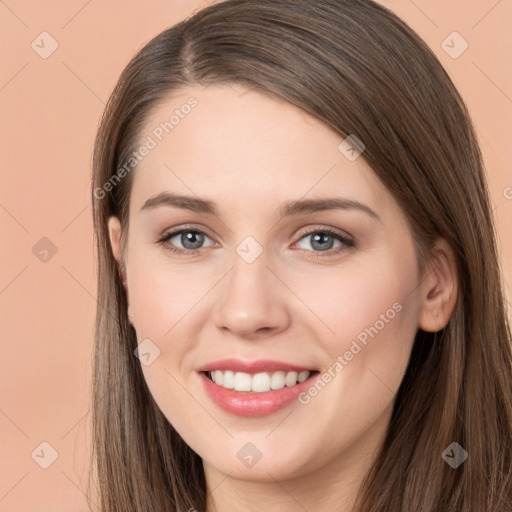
253	404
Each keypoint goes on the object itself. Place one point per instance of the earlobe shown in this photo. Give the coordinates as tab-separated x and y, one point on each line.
439	289
114	230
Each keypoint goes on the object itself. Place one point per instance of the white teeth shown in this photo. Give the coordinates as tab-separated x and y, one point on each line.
226	379
243	381
277	380
259	382
291	379
303	376
217	377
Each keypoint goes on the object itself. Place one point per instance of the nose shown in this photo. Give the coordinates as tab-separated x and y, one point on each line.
252	301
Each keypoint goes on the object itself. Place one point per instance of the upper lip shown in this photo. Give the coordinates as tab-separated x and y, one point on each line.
261	365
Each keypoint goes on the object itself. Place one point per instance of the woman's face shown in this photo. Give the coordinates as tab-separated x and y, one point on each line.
267	278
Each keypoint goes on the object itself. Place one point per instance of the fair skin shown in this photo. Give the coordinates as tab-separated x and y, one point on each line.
250	153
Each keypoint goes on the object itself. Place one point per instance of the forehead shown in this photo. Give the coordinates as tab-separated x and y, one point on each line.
237	146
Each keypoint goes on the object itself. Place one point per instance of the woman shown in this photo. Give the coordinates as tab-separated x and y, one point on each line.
300	304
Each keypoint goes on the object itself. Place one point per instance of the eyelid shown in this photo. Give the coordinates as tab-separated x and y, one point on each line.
178	229
347	242
172	232
300	235
346	239
325	229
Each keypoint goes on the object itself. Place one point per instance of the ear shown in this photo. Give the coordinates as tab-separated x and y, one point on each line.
439	288
114	230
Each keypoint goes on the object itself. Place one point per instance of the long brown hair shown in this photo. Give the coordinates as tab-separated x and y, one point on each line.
357	67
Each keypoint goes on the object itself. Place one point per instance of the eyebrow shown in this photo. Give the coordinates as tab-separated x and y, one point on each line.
289	208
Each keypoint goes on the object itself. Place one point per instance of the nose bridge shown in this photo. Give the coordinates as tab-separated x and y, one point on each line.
250	301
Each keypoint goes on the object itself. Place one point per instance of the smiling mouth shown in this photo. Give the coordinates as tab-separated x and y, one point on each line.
258	382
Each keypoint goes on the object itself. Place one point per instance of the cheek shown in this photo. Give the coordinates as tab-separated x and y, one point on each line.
163	298
366	313
165	306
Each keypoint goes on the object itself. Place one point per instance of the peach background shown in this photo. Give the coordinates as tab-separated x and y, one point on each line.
50	111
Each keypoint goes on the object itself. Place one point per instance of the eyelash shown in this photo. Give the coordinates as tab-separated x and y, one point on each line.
347	243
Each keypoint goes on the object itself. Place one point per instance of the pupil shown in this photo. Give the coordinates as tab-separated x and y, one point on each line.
321	240
196	239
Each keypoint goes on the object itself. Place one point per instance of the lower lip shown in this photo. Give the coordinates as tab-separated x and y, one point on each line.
254	404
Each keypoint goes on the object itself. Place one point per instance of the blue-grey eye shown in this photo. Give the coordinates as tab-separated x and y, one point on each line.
321	241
